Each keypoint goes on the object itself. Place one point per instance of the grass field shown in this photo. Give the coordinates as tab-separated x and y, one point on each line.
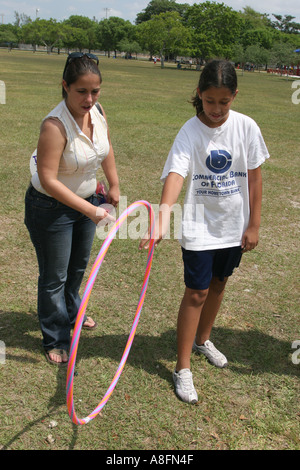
254	403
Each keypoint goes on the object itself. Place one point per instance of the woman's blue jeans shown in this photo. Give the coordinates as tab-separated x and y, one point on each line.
63	239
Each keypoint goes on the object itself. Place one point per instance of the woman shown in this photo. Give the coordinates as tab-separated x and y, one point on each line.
61	207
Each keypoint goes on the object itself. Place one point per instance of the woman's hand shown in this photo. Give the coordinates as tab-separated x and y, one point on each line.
102	215
113	195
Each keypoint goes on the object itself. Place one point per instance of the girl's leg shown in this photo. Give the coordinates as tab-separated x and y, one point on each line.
187	323
210	309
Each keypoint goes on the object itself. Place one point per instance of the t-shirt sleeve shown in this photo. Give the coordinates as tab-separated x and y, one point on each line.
258	152
179	157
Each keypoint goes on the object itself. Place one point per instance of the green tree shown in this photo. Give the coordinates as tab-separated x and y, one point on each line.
286	24
215	29
79	39
264	37
43	32
257	55
238	54
255	20
30	34
129	47
8	34
283	55
82	32
155	7
81	22
111	31
163	34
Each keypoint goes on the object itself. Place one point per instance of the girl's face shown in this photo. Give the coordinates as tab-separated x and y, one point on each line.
82	94
216	105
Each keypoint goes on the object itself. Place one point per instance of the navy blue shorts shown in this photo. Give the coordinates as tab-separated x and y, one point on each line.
201	266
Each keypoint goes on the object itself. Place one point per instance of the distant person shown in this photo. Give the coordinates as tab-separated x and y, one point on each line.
61	207
220	152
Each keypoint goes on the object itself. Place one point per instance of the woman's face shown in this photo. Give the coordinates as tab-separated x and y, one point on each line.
82	94
216	105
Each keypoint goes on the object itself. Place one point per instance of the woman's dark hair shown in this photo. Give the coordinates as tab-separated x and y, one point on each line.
77	67
217	73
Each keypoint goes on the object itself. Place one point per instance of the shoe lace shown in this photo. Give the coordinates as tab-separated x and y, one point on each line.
187	382
210	346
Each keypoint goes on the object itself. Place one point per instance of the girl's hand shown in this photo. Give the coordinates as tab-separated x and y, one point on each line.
250	239
170	193
144	243
162	222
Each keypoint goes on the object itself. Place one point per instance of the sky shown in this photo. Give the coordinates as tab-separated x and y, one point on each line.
126	9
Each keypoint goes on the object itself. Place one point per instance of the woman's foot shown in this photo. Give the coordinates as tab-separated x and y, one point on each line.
89	324
57	356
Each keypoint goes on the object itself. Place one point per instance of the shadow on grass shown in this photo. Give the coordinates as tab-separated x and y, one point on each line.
248	352
253	348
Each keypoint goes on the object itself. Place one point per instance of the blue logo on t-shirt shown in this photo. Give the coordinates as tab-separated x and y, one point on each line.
219	161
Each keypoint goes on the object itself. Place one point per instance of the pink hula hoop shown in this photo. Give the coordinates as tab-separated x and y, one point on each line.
83	306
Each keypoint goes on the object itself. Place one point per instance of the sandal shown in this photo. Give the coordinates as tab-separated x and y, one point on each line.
58	352
87	327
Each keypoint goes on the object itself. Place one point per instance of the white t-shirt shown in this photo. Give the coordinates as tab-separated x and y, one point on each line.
81	157
215	162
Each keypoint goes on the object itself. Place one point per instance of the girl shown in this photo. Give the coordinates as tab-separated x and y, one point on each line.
219	151
61	210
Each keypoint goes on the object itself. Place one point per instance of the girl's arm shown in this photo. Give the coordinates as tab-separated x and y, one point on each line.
170	193
51	145
250	237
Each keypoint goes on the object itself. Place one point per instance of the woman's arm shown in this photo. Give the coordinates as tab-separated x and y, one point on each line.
51	145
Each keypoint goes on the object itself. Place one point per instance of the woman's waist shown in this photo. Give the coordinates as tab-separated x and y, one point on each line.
84	189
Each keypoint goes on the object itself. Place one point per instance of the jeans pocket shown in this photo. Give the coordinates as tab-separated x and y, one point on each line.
46	203
39	200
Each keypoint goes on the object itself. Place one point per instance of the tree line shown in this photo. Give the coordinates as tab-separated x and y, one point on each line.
167	29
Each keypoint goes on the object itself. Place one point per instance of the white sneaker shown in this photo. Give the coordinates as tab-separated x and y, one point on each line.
214	356
184	387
